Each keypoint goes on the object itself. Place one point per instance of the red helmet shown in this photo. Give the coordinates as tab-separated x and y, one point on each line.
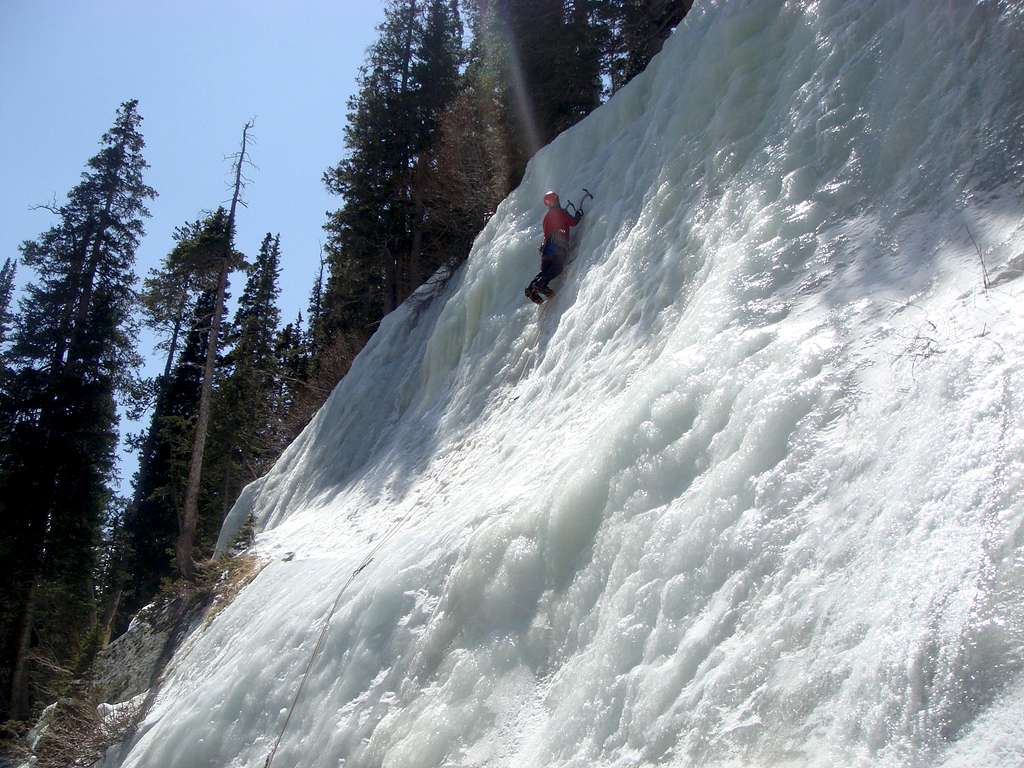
550	199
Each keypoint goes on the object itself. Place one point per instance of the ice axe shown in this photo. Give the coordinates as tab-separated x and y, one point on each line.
579	209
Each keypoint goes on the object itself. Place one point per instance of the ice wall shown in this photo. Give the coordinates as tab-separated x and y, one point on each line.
747	493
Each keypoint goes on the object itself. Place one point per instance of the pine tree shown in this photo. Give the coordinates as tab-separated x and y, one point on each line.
314	336
638	30
587	36
211	254
138	558
435	82
257	317
520	49
170	291
437	57
375	239
243	432
292	356
7	273
469	175
369	231
543	58
311	363
151	522
72	352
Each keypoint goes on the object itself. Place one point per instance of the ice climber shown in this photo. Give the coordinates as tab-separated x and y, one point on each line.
555	251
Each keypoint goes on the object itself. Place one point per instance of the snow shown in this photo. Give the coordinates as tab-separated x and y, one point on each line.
39	730
748	492
109	713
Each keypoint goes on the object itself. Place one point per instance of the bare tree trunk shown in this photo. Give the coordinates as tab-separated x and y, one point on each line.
414	274
111	609
18	707
226	491
393	290
173	346
113	599
190	511
390	280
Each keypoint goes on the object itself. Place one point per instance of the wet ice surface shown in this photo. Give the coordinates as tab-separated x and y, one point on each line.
747	493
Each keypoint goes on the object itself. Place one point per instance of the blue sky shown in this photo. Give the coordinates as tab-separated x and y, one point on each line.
199	70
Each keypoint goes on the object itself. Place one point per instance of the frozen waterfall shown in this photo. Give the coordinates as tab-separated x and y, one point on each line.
748	492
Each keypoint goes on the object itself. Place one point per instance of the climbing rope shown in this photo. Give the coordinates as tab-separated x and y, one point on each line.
327	623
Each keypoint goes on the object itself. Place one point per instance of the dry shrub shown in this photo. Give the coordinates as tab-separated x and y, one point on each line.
78	736
217	582
235	574
13	742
